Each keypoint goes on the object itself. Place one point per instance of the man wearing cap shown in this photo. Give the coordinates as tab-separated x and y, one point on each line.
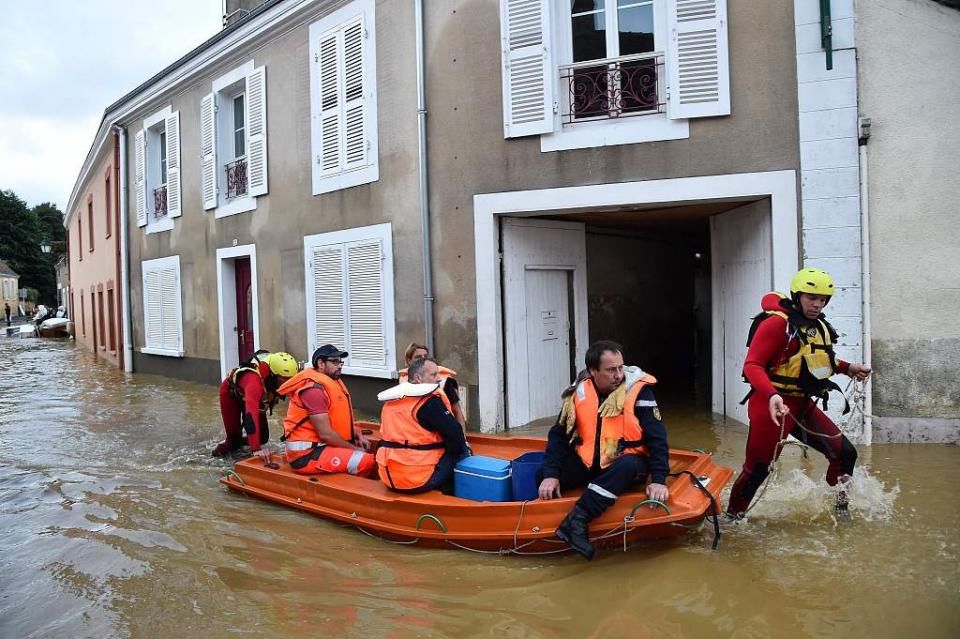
246	394
318	429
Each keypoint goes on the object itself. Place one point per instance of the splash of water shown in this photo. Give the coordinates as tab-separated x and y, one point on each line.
794	495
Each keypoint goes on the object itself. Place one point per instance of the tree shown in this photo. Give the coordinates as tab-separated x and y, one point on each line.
20	235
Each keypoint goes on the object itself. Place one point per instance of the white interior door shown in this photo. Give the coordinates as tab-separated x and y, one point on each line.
542	260
548	340
742	271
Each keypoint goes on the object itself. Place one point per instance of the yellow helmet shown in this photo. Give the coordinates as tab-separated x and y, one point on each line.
814	281
282	364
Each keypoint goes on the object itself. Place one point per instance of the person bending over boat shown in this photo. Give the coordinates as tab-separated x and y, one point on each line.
789	363
421	441
608	437
246	394
448	380
318	430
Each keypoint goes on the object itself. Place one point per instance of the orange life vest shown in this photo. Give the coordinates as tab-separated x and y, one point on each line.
619	434
408	452
300	436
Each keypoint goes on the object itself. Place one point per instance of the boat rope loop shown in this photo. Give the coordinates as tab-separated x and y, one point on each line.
434	518
229	473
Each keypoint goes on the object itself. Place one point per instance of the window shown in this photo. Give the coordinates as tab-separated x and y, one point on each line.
79	238
233	141
349	285
107	201
103	325
162	322
93	319
90	222
157	171
586	73
113	326
343	100
83	316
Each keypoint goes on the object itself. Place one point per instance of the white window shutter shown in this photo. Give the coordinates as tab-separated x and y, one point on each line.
256	106
328	296
354	97
169	309
365	304
528	82
172	125
152	309
140	171
698	68
208	150
331	96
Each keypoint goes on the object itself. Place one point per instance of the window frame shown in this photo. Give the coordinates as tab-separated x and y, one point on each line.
160	264
383	233
370	172
226	88
153	126
107	200
90	233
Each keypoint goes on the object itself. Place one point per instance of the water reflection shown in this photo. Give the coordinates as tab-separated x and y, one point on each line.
112	525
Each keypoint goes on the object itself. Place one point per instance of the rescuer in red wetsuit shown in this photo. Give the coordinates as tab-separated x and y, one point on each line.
246	394
788	364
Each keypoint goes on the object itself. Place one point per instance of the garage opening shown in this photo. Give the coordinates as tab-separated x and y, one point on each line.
675	285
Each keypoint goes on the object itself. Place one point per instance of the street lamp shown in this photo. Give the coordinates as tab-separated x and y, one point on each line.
45	246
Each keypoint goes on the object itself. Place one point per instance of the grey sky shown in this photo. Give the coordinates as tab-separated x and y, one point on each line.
64	62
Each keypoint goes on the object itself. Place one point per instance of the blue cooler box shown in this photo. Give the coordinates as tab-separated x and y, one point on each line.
483	479
525	476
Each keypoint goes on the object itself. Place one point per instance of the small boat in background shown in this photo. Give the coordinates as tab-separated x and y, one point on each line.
512	527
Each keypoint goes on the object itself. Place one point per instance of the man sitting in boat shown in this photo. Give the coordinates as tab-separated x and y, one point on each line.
246	394
448	380
318	430
421	441
608	437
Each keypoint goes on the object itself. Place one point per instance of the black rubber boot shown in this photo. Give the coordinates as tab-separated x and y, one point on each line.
574	530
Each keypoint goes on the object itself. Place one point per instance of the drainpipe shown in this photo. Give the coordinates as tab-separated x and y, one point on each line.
424	193
124	255
865	270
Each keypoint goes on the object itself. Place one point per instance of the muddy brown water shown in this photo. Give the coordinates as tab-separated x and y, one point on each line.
112	524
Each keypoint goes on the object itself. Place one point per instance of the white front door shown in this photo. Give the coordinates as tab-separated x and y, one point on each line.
742	271
548	340
543	262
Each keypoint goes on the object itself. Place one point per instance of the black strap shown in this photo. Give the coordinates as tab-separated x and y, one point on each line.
713	503
389	444
286	436
315	452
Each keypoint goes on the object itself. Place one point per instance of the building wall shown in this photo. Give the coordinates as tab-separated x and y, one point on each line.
289	211
9	291
909	88
95	271
469	155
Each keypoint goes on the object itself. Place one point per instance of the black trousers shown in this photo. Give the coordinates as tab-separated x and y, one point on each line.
617	478
441	479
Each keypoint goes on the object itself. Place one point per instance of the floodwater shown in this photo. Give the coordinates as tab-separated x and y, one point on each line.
112	524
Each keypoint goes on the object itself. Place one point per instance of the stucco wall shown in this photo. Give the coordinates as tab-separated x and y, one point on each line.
97	271
910	88
468	154
289	211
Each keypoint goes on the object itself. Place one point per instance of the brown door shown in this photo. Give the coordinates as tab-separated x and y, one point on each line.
244	308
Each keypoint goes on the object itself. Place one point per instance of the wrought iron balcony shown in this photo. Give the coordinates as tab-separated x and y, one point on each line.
236	178
160	202
613	88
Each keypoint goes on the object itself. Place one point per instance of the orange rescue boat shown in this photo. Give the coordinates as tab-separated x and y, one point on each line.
437	520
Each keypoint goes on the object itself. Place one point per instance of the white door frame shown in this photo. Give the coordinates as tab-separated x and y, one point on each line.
227	303
779	186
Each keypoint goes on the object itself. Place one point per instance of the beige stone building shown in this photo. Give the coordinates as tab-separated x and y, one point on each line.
506	180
